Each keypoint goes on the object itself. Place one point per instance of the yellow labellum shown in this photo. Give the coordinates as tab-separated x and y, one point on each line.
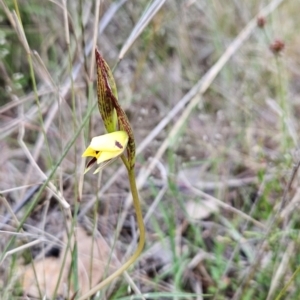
106	147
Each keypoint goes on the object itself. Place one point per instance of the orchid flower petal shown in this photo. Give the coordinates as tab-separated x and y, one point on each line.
114	141
103	165
89	152
107	156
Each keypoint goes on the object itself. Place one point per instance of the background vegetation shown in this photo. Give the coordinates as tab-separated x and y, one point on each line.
212	91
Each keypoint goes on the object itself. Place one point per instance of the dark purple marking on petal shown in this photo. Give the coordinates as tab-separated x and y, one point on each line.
118	145
91	162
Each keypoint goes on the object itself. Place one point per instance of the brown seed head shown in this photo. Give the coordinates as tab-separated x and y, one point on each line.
261	21
277	46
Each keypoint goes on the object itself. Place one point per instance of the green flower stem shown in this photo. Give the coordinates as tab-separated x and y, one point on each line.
125	162
138	251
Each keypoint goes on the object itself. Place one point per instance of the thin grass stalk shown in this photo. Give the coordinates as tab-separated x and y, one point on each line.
283	291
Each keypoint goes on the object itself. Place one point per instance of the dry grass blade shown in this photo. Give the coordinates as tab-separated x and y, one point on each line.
66	22
21	34
281	270
225	205
292	205
21	248
141	24
106	18
9	209
95	38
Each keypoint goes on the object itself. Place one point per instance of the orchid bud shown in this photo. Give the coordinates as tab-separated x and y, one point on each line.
106	88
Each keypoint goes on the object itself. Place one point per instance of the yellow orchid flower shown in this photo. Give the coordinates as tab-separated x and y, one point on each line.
105	147
112	114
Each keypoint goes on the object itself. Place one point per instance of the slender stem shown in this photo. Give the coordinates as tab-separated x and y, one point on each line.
17	9
288	284
125	162
138	251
